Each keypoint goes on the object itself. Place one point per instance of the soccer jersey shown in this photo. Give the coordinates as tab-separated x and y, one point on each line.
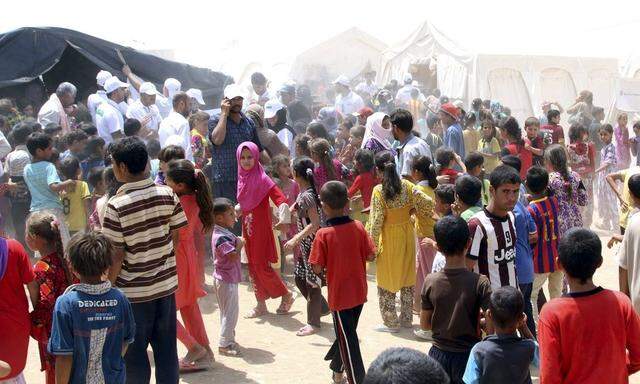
493	247
545	252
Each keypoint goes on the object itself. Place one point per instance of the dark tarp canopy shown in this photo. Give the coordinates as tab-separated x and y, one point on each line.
57	54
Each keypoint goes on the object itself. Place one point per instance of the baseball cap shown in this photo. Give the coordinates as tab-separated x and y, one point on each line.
114	83
173	86
196	94
450	110
103	76
342	80
272	107
148	89
232	91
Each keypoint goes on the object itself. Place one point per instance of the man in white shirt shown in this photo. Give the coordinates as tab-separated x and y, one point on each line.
176	124
347	101
403	96
259	92
59	106
368	86
100	96
109	120
195	99
145	110
409	146
164	102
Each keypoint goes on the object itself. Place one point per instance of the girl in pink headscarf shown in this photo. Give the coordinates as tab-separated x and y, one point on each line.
255	189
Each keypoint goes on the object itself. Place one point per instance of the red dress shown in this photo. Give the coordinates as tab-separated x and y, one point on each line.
257	229
188	255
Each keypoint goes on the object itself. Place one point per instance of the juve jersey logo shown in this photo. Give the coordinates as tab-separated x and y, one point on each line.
504	255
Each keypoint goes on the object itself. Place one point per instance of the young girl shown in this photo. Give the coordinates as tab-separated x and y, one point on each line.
470	133
607	203
281	166
566	186
392	231
52	277
255	189
195	198
582	159
327	168
518	146
362	187
621	134
302	145
168	153
198	123
308	213
489	146
447	160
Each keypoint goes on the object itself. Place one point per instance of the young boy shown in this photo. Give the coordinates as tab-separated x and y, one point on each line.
92	322
536	146
132	127
553	130
76	203
153	147
95	156
590	335
474	162
445	197
227	272
629	272
15	163
452	299
544	211
342	250
468	189
405	366
76	142
503	358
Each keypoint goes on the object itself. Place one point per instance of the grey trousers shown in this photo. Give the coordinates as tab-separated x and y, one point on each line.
229	308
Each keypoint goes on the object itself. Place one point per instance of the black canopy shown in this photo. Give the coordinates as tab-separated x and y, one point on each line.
58	54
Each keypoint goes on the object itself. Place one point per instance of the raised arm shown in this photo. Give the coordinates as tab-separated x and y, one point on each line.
133	79
220	130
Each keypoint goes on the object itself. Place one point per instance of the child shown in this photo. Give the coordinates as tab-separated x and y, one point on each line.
447	159
544	211
43	182
302	145
445	197
15	325
192	188
590	333
343	134
346	156
51	279
390	227
198	123
95	156
504	358
607	203
621	133
553	131
635	142
76	142
517	146
307	208
153	147
405	366
168	153
470	134
19	195
366	179
98	189
281	166
132	127
468	191
111	186
255	190
489	146
582	159
532	127
452	300
327	168
227	273
92	317
341	250
76	203
474	162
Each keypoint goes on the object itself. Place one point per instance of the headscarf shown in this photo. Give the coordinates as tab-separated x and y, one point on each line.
253	184
328	116
256	113
374	130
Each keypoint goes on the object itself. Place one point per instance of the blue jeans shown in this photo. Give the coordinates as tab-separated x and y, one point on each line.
528	309
155	325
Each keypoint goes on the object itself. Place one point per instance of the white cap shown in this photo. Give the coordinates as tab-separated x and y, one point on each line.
342	80
272	107
103	76
232	91
114	83
173	86
407	78
196	94
148	88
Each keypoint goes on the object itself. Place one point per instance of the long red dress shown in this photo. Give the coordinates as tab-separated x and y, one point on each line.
257	229
188	255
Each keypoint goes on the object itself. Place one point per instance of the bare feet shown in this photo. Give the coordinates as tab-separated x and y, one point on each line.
307	330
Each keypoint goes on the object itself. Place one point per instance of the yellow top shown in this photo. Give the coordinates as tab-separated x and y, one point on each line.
73	206
470	138
424	228
493	148
626	195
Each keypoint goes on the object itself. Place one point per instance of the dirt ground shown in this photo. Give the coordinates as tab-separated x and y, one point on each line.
273	354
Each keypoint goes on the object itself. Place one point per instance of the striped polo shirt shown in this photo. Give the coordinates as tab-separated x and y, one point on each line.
545	252
140	219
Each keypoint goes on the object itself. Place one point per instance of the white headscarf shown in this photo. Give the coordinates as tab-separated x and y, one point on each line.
374	130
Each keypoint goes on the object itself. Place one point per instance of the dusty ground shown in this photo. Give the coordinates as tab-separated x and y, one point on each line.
273	354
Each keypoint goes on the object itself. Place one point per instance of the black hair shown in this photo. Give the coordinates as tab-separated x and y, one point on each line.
302	142
111	183
391	183
20	133
506	305
504	174
183	171
221	205
513	130
42	223
364	157
334	194
634	185
358	131
258	78
153	147
512	161
580	253
303	167
552	114
93	144
89	129
402	119
131	152
90	254
321	148
446	193
52	128
556	155
469	119
607	128
636	125
132	127
576	131
37	141
69	167
452	235
171	152
473	159
73	136
444	157
318	130
423	165
469	189
405	366
537	179
95	176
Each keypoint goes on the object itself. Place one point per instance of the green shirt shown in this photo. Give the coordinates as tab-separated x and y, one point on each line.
468	214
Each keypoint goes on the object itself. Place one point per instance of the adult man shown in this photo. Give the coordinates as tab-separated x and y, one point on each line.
403	96
100	96
176	124
109	120
195	99
368	85
410	146
145	110
59	106
448	115
347	101
259	92
493	234
296	110
163	102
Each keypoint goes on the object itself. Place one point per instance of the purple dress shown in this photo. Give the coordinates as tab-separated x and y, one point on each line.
622	146
568	204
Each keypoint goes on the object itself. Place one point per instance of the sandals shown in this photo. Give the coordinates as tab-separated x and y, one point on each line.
186	366
231	351
307	330
285	306
255	312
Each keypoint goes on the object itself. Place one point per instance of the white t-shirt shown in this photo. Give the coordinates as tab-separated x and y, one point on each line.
93	101
404	95
348	104
139	111
109	120
286	137
176	125
413	148
49	113
628	259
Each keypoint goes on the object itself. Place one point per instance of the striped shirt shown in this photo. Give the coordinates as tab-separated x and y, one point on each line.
493	247
140	218
545	252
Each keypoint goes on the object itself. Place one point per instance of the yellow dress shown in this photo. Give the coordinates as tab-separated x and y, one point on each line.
391	229
424	227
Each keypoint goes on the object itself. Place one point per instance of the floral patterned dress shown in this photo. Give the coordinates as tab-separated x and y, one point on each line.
569	204
583	159
607	202
305	203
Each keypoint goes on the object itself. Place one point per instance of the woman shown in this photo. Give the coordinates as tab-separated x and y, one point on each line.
377	134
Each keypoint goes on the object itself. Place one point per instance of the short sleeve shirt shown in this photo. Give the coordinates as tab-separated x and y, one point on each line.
109	120
223	242
525	226
39	176
74	208
413	148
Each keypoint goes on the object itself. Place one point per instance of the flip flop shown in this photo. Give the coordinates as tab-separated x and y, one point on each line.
230	351
285	307
191	366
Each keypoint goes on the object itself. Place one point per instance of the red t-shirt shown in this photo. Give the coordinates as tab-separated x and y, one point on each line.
452	173
556	132
364	183
342	249
584	338
526	156
15	324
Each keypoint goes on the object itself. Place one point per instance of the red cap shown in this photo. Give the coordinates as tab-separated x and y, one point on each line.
365	112
450	110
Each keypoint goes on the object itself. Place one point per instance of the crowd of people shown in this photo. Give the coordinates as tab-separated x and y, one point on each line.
465	213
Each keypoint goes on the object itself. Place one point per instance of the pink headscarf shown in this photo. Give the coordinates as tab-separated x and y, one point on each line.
254	184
